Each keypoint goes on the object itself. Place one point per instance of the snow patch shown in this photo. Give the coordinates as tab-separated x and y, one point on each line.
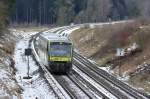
36	87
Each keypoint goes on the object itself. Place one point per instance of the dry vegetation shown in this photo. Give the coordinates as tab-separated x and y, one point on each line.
8	84
100	43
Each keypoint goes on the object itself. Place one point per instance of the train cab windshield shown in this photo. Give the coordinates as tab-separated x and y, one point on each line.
60	49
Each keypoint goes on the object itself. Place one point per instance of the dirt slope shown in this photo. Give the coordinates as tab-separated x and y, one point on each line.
100	43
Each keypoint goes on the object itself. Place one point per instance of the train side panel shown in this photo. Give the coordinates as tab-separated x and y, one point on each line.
42	50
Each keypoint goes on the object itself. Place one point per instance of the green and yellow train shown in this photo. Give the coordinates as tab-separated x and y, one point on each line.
55	52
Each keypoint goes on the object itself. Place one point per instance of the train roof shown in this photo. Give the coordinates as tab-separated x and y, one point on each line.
50	36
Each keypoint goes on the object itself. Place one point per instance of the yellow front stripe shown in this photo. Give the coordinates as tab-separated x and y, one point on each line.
60	59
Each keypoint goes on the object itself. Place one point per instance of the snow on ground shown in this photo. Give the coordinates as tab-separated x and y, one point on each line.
7	85
36	87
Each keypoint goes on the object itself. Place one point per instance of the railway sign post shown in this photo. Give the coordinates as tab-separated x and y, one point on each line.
28	52
120	53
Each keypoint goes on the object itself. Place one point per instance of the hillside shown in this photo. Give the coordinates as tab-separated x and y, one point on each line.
100	44
8	87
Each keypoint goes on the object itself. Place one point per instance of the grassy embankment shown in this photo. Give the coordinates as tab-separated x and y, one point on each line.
100	44
8	85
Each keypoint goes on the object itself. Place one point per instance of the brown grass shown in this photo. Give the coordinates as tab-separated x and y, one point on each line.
9	84
103	40
8	46
100	44
141	81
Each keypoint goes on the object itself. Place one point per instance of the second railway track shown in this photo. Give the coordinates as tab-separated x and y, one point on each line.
77	87
122	86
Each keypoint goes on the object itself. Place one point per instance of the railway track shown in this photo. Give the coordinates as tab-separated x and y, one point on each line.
59	84
72	88
64	83
88	90
83	87
58	91
105	84
78	84
86	86
88	66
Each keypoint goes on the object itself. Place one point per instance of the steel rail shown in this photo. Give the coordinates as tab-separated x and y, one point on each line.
76	78
100	81
65	86
46	72
110	78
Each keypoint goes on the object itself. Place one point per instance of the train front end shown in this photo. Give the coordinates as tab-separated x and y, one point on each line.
60	57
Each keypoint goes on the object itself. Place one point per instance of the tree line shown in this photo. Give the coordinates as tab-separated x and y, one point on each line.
5	9
77	11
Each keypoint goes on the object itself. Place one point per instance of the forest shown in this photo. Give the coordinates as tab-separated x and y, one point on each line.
63	12
5	9
67	11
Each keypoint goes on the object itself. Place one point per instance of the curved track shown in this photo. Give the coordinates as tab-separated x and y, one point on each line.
85	64
63	84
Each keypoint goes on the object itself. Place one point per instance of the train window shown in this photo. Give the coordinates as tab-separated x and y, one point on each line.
60	49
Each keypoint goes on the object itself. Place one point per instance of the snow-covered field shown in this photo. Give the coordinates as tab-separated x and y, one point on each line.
36	87
7	84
